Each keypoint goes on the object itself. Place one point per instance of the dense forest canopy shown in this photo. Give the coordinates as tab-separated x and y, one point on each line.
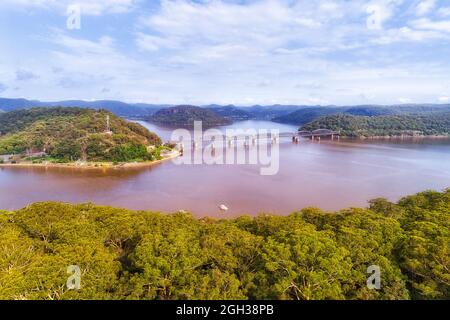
70	134
390	125
184	116
309	254
306	115
309	114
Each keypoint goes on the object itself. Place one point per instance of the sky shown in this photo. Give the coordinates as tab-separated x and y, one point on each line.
242	52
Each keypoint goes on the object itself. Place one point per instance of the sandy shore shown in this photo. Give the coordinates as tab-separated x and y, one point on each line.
90	165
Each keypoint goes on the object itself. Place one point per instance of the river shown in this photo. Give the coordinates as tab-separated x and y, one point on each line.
331	175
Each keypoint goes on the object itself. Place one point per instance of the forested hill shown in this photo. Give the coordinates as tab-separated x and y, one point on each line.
74	133
308	114
391	125
231	112
184	116
129	110
308	255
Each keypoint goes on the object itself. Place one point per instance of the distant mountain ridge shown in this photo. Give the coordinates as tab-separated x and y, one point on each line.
230	112
290	114
306	115
117	107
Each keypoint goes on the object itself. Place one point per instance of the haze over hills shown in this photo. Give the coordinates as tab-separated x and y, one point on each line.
117	107
144	110
290	114
306	115
230	112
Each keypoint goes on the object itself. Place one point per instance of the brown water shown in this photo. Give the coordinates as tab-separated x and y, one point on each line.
329	175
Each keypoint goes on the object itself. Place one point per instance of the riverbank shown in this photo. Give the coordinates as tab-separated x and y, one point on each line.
238	252
91	165
422	137
405	137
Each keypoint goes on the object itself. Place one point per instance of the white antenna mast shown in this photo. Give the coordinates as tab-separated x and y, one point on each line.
108	126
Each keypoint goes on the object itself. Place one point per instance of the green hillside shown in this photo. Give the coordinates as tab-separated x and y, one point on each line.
69	134
389	125
306	115
310	254
184	116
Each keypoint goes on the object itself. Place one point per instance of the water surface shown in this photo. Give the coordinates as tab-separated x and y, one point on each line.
329	175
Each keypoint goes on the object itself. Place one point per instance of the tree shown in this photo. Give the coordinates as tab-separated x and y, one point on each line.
302	264
311	254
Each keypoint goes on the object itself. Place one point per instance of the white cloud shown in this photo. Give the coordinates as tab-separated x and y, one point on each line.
407	34
379	12
404	100
317	101
263	24
329	6
259	51
424	7
269	26
444	99
154	43
444	12
88	7
426	24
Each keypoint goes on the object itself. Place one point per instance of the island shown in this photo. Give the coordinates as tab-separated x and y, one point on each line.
185	115
72	136
399	125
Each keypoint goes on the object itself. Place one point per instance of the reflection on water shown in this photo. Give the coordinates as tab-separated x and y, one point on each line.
330	175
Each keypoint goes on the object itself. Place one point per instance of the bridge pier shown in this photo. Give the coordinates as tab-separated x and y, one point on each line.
181	146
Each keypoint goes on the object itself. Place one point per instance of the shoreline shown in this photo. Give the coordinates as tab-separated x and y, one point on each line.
396	137
90	165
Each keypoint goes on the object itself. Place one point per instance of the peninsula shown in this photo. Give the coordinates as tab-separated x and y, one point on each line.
76	136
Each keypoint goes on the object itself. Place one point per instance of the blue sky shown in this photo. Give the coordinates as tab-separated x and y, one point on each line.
228	52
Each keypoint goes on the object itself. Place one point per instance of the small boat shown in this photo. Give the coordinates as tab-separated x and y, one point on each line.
223	207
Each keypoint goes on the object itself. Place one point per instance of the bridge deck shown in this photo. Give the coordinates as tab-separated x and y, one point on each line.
269	136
